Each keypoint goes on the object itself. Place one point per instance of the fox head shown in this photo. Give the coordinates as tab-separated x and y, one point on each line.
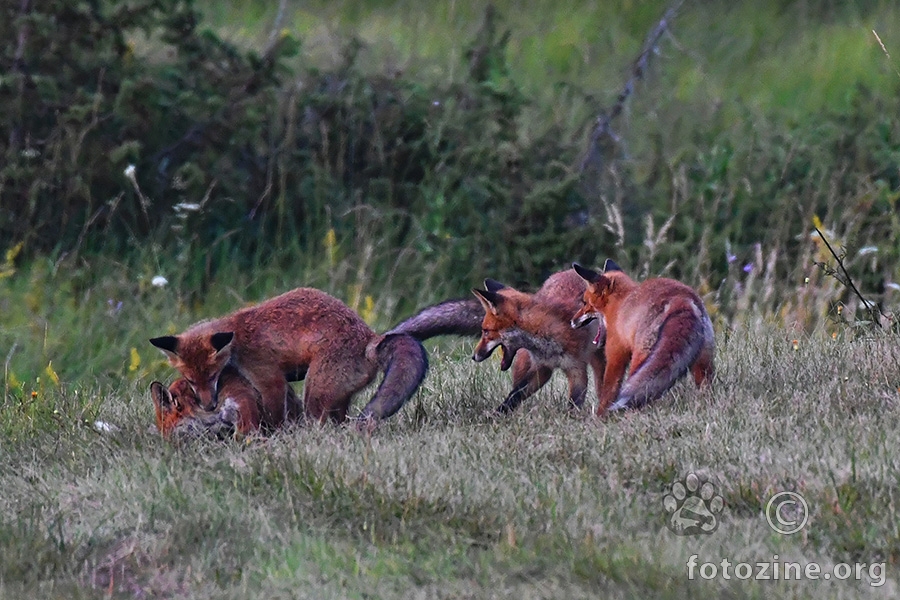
200	361
178	412
499	318
596	296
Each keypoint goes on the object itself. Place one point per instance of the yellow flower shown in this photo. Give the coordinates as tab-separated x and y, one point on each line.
52	374
368	309
135	360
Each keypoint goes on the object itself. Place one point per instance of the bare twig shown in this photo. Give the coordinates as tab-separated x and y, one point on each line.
638	68
886	53
275	34
873	310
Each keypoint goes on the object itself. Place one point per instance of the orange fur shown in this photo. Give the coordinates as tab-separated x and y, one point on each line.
178	409
660	327
533	332
301	334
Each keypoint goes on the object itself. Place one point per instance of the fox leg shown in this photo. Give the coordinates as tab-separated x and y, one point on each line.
526	381
331	383
703	369
598	366
578	381
614	373
273	390
323	402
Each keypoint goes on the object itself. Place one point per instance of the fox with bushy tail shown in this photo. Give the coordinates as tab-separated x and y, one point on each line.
659	327
531	330
303	334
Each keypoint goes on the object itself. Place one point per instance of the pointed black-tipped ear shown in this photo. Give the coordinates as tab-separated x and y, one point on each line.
492	285
166	343
489	300
610	265
161	396
220	340
588	275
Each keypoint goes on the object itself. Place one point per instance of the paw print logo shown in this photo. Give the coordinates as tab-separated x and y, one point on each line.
693	507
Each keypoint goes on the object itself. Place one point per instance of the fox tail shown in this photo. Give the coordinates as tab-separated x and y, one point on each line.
682	336
452	317
405	363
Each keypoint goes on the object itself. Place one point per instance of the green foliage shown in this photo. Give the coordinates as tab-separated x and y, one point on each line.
137	125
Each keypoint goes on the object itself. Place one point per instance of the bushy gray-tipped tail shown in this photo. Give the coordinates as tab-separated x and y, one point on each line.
681	338
452	317
405	363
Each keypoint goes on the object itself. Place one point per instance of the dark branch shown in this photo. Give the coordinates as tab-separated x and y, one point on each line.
873	311
638	69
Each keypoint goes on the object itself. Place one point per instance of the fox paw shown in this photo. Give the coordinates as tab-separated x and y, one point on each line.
693	507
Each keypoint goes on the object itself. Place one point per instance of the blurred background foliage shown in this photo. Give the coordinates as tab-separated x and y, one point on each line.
395	153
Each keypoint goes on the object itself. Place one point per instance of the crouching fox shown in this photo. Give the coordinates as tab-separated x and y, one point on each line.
303	334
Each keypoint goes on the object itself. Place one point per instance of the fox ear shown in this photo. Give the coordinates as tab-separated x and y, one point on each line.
166	343
161	396
610	266
489	300
588	275
221	340
492	285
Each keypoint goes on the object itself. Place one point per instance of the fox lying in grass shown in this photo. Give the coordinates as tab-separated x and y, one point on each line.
303	334
659	326
178	410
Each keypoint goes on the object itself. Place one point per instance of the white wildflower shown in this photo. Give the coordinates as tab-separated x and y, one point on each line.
104	427
159	281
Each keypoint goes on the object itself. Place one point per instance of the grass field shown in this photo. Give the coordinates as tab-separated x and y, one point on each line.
446	501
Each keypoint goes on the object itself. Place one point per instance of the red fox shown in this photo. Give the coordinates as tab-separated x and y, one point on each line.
303	334
533	331
178	409
659	326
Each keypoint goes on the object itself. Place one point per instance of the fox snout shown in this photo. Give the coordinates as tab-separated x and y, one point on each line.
482	352
581	319
207	397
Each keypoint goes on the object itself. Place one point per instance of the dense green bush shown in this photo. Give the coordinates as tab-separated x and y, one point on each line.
132	125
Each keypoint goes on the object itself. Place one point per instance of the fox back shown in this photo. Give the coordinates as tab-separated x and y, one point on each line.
281	335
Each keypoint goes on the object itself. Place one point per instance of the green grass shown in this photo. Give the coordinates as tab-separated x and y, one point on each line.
796	58
542	504
461	504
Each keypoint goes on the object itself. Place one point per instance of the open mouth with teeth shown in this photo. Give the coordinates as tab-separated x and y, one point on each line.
587	319
506	359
